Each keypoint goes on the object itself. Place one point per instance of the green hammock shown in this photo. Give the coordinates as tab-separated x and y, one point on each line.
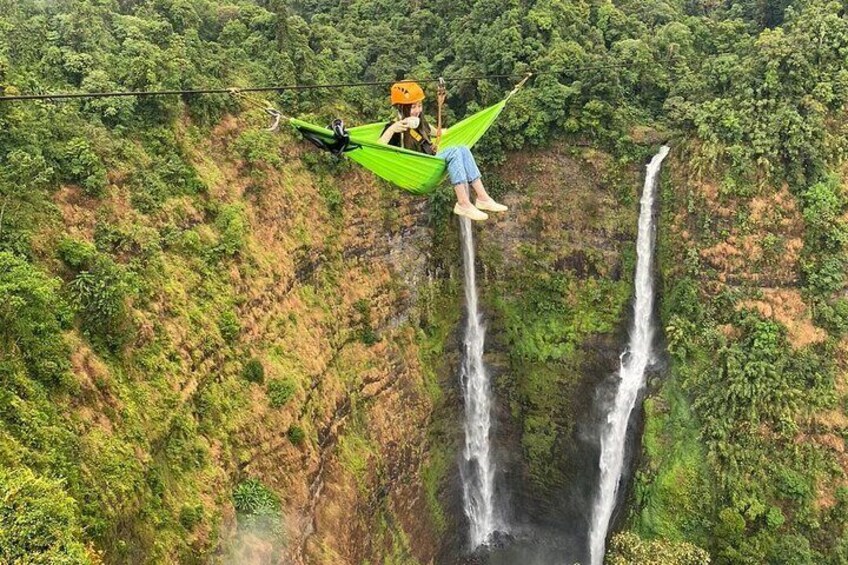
415	172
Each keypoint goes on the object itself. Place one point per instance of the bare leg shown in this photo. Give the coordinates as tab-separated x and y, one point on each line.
480	190
484	201
462	195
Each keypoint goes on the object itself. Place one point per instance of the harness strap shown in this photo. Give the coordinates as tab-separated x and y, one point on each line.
341	139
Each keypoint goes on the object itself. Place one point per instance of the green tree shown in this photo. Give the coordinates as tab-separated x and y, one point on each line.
39	522
31	318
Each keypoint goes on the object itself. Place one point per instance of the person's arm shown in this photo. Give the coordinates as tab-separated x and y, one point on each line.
434	131
396	127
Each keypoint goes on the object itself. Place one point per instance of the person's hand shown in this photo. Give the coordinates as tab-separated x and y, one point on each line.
399	126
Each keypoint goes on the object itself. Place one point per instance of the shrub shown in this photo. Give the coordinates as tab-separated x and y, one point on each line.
76	253
100	296
232	229
296	434
280	391
823	205
257	507
229	325
332	195
832	316
627	548
258	148
253	371
31	319
82	165
366	332
190	516
252	497
38	521
825	275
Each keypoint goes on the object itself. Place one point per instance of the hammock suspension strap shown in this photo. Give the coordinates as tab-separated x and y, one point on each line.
263	105
340	143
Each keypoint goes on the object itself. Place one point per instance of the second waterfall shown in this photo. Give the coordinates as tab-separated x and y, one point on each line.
477	469
632	372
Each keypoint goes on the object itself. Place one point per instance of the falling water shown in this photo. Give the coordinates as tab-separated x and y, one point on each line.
477	470
631	372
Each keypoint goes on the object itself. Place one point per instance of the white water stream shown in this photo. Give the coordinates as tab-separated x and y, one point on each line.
477	471
632	371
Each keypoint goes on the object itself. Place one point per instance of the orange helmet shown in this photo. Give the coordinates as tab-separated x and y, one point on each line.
406	93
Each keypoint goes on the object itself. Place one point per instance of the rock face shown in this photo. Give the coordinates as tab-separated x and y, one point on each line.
742	264
555	276
341	310
379	481
295	328
320	276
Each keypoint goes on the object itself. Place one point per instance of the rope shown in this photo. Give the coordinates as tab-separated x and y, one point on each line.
520	84
234	90
440	99
263	105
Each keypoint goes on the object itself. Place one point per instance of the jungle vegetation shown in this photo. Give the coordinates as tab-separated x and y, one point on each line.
754	93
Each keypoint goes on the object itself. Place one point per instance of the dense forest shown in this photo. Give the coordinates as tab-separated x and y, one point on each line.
115	217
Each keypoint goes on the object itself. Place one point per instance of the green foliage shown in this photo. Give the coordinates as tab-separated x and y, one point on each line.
356	455
259	149
76	253
823	262
254	371
759	88
31	318
191	516
628	548
258	510
24	176
100	295
672	489
251	497
39	522
823	205
80	164
433	473
296	434
232	228
229	326
280	391
332	196
366	332
750	391
832	316
546	315
758	381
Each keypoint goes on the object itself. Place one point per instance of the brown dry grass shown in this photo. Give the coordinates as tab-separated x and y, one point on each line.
788	307
77	210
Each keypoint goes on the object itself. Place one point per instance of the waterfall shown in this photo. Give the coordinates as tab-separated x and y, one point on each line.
477	470
631	372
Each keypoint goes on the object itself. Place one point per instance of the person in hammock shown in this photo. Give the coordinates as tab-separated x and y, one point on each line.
412	131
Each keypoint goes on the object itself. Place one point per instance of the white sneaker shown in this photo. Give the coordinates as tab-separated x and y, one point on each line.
491	206
470	212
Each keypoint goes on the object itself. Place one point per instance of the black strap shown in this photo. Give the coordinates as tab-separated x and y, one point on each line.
341	139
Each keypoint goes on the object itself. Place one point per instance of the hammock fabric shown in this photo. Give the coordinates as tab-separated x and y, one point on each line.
414	172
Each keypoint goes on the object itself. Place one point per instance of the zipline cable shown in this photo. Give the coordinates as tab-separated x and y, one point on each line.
237	90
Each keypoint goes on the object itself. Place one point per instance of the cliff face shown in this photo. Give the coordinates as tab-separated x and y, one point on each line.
744	438
556	277
281	335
